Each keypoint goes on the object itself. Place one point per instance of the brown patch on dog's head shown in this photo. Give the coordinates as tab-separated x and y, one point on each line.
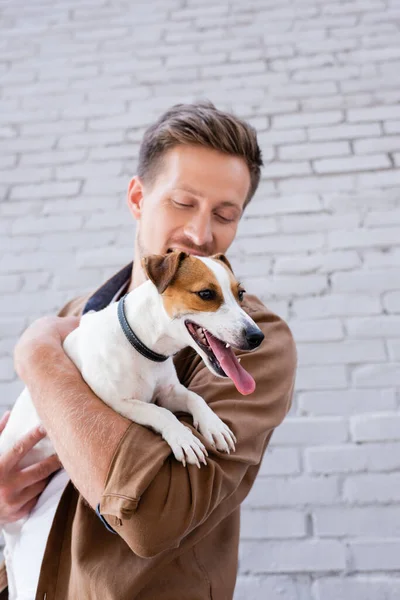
162	269
193	276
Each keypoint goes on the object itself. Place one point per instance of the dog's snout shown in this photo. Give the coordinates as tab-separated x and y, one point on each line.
254	337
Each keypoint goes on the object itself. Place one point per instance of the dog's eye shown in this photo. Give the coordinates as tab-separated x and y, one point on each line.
207	294
241	293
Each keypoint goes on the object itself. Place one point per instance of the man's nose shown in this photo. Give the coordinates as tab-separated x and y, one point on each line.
198	229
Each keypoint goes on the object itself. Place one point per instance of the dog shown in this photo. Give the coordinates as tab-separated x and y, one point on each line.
124	353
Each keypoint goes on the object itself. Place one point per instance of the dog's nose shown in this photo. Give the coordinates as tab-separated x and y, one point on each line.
254	337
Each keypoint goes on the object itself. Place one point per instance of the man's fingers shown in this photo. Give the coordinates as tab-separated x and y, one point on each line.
4	419
23	511
12	457
38	471
28	494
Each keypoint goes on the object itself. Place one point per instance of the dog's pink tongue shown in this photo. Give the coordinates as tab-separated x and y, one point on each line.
243	381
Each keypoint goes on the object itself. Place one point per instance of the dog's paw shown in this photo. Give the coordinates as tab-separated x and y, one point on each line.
215	431
185	446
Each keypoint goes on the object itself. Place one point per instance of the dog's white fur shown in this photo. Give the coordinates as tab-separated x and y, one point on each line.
130	383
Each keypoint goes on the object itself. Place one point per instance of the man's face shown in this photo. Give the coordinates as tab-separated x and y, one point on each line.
194	205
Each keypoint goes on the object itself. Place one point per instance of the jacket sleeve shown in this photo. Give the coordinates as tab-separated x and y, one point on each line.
152	501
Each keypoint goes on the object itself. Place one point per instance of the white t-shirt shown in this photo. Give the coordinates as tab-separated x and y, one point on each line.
27	556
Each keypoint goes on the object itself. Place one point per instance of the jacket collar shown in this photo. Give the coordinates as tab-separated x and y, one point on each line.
117	285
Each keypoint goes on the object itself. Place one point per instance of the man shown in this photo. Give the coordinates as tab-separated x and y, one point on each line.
162	531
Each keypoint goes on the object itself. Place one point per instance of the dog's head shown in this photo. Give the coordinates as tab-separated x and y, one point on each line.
203	298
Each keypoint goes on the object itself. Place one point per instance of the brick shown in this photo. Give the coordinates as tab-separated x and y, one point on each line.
10	283
394	350
277	170
56	157
361	238
305	90
320	222
38	225
317	184
391	126
344	131
296	491
321	378
276	205
375	427
293	556
372	281
374	327
343	352
317	263
45	190
7	372
12	326
253	226
346	402
337	305
357	588
252	266
321	330
385	179
266	524
308	151
328	102
10	390
91	139
357	522
28	261
307	119
373	375
268	287
355	163
280	461
97	258
391	302
372	488
384	217
376	113
328	73
87	170
278	587
282	243
351	458
311	431
374	145
375	555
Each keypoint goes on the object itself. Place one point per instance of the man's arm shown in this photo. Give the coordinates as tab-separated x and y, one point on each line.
148	497
85	432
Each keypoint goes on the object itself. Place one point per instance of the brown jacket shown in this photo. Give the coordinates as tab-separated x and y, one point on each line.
177	528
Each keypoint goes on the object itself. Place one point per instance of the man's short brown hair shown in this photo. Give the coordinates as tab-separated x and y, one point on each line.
199	124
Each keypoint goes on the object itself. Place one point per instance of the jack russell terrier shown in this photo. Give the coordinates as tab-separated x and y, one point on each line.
187	301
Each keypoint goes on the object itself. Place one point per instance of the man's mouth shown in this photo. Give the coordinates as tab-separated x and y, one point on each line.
221	358
187	250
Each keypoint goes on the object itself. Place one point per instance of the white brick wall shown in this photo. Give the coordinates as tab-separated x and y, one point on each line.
320	243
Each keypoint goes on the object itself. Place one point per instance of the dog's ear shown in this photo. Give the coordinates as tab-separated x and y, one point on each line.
223	259
161	269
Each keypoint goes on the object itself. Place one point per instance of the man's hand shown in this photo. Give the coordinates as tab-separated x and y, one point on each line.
21	488
44	333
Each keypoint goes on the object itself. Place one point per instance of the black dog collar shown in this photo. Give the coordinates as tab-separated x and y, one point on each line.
133	339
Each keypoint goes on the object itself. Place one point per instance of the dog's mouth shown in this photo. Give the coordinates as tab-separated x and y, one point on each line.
221	358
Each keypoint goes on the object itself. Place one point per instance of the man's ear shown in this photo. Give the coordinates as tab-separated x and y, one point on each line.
161	269
223	259
135	197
